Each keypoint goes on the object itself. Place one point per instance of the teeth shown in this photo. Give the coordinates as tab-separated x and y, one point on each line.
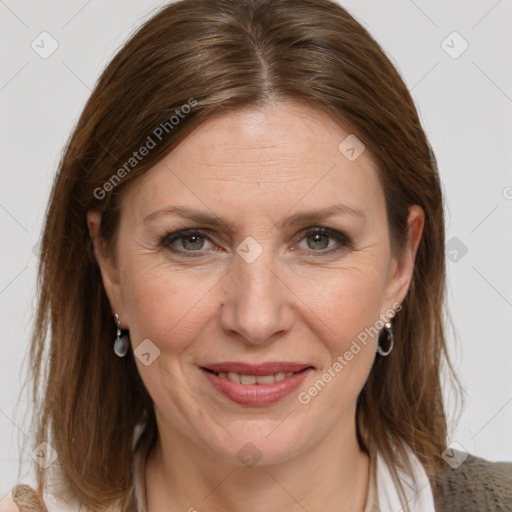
265	379
254	379
234	377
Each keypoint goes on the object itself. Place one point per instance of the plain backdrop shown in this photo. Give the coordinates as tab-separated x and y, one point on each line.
454	56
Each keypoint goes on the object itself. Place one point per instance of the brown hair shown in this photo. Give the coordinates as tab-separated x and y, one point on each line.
218	56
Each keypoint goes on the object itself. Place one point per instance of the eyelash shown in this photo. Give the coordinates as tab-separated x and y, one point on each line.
166	241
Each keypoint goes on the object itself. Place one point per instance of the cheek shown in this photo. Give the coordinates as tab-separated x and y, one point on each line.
345	304
343	317
166	306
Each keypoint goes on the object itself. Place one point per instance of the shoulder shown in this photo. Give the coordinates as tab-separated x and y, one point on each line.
475	484
22	498
7	504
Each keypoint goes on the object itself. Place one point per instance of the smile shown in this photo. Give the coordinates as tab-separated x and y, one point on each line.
255	385
254	379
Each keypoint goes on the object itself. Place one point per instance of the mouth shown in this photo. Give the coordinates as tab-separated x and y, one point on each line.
255	385
247	379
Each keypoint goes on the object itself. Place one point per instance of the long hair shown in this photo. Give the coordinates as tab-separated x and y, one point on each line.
194	60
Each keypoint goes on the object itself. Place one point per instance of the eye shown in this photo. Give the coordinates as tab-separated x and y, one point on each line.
187	241
324	240
191	242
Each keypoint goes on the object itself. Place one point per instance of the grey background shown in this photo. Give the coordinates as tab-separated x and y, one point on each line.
465	105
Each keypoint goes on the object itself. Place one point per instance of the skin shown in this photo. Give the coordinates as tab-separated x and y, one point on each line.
253	168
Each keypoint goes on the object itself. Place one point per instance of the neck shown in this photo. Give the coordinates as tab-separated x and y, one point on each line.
331	476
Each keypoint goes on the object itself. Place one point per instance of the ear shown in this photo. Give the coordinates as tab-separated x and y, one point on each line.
402	267
109	271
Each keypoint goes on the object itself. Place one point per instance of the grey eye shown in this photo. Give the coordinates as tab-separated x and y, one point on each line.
318	241
192	242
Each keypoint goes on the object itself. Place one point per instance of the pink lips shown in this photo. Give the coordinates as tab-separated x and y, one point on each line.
256	394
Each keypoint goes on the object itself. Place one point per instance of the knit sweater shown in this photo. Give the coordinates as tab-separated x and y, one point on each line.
477	485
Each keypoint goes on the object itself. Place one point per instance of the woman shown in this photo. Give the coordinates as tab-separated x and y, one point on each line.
242	280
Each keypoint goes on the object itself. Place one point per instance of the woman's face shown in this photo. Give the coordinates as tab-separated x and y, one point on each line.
285	262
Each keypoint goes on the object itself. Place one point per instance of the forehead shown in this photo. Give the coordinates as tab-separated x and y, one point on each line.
270	157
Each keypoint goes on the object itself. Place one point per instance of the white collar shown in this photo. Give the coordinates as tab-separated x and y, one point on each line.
418	491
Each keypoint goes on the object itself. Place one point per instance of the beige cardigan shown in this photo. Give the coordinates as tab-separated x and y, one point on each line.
477	485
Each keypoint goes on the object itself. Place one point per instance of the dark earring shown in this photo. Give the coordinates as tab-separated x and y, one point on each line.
390	338
121	343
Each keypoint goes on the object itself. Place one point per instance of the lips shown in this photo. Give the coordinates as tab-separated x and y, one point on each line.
256	369
255	385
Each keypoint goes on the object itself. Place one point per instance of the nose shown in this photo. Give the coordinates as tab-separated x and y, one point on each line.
258	304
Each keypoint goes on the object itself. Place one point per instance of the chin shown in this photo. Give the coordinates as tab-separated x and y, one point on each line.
262	443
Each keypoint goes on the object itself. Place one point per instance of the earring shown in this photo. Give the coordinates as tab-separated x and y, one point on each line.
389	329
121	343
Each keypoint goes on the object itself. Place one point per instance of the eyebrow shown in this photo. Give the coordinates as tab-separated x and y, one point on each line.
300	218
